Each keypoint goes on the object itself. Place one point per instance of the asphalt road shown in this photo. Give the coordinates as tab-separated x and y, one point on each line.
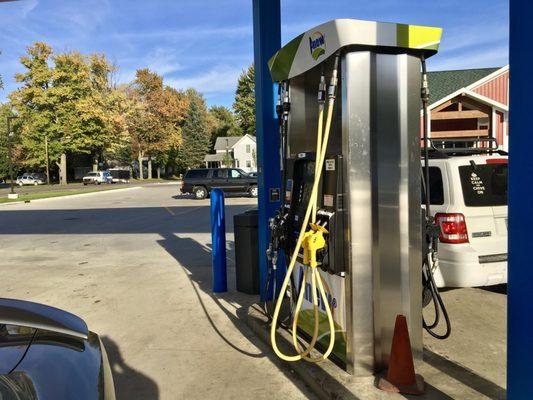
136	265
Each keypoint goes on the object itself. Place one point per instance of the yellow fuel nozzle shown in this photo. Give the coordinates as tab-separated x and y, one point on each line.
313	241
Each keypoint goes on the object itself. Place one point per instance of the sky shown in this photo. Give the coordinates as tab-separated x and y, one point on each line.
206	44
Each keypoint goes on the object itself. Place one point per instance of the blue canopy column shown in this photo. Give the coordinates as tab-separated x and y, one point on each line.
267	40
520	287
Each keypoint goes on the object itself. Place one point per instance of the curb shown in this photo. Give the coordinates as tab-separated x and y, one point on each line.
70	196
325	379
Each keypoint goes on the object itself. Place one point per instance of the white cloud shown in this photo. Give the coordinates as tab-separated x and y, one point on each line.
218	79
193	32
163	61
476	58
460	38
29	6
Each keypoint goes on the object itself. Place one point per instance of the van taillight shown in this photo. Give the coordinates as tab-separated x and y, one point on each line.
452	228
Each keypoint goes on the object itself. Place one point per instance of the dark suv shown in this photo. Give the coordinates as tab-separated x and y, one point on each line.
231	180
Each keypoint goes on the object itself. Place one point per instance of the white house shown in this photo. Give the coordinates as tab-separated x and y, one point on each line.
241	150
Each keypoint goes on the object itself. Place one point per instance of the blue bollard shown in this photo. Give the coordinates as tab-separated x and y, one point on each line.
218	240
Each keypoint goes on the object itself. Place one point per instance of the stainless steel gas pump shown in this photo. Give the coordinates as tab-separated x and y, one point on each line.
350	226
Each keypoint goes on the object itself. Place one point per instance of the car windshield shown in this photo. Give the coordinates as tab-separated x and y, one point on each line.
484	185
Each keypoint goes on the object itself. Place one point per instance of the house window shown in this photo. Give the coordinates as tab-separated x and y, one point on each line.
248	164
248	149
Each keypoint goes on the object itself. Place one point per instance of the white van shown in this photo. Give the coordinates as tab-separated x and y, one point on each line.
468	196
97	177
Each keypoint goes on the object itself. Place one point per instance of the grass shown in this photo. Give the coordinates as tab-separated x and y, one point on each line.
47	195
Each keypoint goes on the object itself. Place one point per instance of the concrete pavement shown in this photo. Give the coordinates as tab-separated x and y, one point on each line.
136	266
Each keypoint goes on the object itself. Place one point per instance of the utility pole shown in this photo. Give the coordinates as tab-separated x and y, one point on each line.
47	160
10	154
227	153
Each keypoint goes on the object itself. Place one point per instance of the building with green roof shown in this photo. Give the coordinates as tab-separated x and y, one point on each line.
470	103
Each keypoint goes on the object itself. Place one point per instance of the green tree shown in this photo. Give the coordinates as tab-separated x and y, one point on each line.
224	123
5	111
244	105
196	135
63	105
36	112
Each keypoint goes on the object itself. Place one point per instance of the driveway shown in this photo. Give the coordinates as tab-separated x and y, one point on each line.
136	265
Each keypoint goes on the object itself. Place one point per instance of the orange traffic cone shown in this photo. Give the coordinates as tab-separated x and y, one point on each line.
401	377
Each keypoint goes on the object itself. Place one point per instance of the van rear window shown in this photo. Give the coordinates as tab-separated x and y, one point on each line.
436	187
484	185
196	174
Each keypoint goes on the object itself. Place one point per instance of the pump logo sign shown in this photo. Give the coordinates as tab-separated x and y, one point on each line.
317	44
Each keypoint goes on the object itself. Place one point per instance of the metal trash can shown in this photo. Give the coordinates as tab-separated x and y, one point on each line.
246	252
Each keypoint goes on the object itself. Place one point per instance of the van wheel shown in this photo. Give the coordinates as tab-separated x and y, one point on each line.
200	192
253	192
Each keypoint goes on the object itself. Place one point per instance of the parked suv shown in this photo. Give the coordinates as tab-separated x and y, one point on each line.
31	179
231	180
468	197
97	177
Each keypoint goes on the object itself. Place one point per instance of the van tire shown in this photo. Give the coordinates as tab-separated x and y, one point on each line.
200	192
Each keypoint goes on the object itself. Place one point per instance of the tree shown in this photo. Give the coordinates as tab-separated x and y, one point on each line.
155	119
32	102
196	135
227	161
244	105
224	123
63	105
5	111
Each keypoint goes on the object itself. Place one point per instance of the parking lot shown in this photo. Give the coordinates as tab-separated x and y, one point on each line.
135	264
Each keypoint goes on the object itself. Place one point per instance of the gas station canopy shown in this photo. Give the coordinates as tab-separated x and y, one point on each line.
310	48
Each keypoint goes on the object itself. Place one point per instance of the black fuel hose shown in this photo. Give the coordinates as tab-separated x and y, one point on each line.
428	281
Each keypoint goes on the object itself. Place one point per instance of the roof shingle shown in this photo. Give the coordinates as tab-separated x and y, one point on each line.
443	83
228	141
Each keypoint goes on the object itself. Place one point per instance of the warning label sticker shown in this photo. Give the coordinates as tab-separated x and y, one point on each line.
328	200
330	165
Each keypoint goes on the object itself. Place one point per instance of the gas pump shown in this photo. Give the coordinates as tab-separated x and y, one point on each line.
349	225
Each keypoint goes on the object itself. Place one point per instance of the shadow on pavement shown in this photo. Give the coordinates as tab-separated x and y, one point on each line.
197	258
464	375
129	383
107	221
501	289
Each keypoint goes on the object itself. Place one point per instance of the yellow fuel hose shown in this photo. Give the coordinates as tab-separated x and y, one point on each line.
315	275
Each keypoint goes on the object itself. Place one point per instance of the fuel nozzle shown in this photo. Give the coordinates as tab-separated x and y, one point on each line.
322	89
424	90
334	78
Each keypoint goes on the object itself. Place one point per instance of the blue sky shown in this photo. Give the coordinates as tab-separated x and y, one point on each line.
206	43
